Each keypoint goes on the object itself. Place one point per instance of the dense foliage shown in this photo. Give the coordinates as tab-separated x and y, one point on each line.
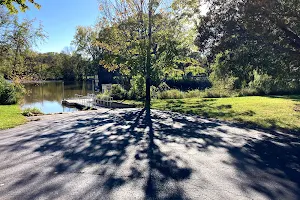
9	93
19	62
255	42
225	48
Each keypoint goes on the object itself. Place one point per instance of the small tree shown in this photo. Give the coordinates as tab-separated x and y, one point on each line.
16	42
138	38
138	15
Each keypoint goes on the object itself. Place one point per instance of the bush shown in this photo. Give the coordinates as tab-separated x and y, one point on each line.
208	93
193	94
217	93
118	92
31	112
9	93
267	85
138	88
284	87
224	87
163	87
247	92
171	94
227	82
105	95
154	91
262	83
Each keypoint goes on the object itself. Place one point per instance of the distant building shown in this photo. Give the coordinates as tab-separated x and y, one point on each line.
106	87
106	77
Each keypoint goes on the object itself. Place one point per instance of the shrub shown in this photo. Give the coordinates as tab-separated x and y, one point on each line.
9	93
171	94
163	87
154	91
193	94
222	87
138	88
31	112
247	92
262	83
226	82
284	87
105	95
216	93
118	92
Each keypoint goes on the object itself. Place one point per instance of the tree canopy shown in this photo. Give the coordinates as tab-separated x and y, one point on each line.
250	35
237	43
13	5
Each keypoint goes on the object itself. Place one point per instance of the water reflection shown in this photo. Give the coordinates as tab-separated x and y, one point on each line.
47	96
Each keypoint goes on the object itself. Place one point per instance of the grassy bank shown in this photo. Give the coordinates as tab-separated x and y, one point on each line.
277	112
10	116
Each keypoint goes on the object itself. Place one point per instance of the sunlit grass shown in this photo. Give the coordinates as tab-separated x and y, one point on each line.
10	116
266	112
276	112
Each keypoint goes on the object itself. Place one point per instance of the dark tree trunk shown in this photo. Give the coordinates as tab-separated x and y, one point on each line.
148	64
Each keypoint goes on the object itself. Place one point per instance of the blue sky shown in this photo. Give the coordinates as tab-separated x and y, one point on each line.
60	18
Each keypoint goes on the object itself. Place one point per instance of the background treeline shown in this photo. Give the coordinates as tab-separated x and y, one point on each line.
19	61
237	47
48	66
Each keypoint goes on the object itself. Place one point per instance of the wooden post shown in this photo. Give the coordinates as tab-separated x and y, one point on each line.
63	88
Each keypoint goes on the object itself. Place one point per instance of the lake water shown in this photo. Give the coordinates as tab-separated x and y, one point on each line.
47	96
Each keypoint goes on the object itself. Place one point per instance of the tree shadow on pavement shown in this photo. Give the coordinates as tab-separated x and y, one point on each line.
159	165
148	150
271	165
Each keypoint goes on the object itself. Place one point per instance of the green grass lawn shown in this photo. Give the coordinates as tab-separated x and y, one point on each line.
267	112
10	116
276	112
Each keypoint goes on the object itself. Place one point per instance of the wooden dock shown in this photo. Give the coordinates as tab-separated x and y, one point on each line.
80	103
83	103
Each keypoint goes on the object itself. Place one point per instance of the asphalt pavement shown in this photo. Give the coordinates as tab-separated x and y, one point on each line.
134	154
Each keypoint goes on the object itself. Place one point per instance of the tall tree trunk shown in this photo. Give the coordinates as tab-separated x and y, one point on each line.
148	64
